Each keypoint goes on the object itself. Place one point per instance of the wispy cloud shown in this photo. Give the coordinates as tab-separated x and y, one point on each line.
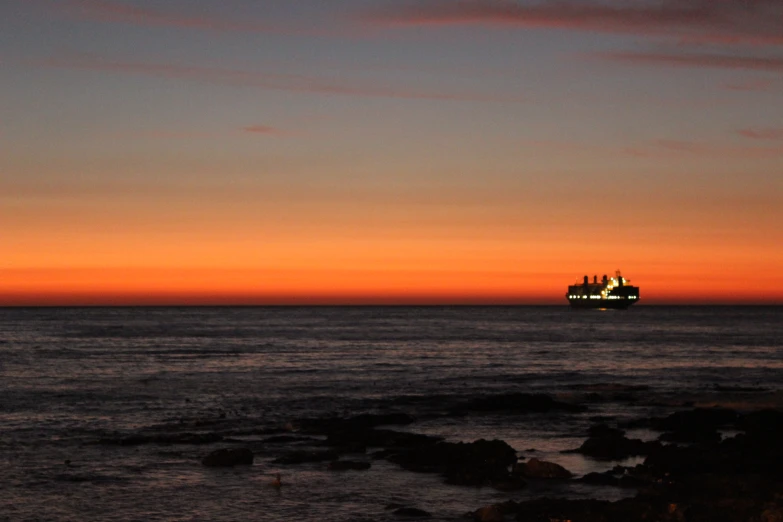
750	85
762	134
724	21
112	11
703	149
725	61
261	80
262	129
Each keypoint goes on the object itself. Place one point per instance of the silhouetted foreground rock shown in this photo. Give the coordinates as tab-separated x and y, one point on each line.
472	464
762	425
228	457
739	479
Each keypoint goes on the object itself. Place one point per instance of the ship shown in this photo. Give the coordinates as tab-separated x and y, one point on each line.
609	292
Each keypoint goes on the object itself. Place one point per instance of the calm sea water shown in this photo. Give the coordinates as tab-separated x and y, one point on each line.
72	376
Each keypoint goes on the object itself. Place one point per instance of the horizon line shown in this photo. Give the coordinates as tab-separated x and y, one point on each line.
381	305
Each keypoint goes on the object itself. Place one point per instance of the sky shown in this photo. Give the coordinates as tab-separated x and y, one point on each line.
389	151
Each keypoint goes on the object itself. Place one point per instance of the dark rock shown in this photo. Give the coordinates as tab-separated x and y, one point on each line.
535	468
615	447
561	510
762	425
229	457
698	425
509	483
699	419
606	478
412	512
762	455
476	463
602	430
691	436
518	403
301	457
734	480
344	465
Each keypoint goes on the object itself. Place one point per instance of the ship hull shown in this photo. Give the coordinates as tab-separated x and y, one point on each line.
595	304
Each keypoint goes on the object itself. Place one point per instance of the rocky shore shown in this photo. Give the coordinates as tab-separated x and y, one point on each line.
709	463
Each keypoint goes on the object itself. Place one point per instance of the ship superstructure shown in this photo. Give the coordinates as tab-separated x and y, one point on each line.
608	292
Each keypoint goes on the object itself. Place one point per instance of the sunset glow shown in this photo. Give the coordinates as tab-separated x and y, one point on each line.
389	152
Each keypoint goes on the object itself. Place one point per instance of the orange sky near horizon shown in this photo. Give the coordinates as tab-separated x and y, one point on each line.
452	248
390	272
31	287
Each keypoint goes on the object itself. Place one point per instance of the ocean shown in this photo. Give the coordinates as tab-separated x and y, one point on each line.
94	401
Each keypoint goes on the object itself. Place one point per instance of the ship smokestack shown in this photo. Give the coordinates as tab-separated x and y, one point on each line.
595	279
586	280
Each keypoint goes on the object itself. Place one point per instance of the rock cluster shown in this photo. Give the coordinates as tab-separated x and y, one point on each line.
737	479
477	463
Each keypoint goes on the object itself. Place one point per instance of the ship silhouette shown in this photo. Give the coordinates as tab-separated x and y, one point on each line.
609	292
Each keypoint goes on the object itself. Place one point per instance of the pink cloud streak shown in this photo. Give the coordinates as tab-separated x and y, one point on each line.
762	134
701	149
262	129
725	61
722	21
270	81
750	86
110	11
